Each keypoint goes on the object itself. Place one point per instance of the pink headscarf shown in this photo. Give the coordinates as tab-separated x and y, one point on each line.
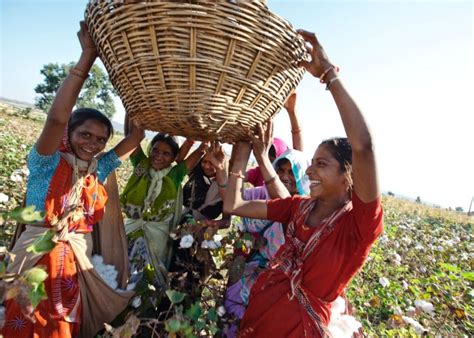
279	145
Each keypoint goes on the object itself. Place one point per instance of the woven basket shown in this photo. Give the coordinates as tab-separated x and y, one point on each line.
203	69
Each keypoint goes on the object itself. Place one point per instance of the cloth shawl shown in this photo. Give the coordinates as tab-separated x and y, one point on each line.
100	303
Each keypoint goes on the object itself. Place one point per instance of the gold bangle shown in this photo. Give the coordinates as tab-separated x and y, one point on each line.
79	73
237	175
329	83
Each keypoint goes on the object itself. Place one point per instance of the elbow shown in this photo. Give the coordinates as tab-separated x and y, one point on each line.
364	145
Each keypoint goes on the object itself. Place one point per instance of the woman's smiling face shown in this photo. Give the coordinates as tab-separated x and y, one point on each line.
89	139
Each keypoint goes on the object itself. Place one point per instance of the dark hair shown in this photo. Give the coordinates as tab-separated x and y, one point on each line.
282	161
272	151
170	140
341	149
81	115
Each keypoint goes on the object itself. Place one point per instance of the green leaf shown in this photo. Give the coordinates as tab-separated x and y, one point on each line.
3	267
200	325
172	325
194	312
214	329
450	267
35	276
26	215
174	296
42	244
468	275
212	315
37	294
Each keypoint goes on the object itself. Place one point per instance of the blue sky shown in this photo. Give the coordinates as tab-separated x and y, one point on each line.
409	65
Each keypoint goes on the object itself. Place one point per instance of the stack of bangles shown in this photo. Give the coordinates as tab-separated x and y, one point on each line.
330	81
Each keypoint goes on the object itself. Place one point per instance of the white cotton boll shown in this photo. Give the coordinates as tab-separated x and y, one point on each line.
15	177
107	272
136	302
343	326
186	242
221	311
210	245
338	306
419	329
419	247
3	198
424	305
404	285
384	282
398	311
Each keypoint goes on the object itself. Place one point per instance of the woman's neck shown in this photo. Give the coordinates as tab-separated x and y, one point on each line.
325	207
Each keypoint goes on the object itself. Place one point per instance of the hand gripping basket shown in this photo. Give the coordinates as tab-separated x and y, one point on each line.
203	69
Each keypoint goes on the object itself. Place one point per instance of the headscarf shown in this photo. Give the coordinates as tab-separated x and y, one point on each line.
279	145
299	164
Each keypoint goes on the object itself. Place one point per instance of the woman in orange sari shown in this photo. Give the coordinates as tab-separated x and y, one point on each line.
67	183
328	235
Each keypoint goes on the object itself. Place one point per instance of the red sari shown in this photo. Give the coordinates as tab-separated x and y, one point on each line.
285	303
59	316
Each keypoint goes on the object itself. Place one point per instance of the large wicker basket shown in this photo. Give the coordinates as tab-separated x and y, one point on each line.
203	69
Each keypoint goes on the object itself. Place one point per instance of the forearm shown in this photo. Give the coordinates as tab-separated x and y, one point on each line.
275	188
68	93
184	150
354	123
296	134
194	158
221	179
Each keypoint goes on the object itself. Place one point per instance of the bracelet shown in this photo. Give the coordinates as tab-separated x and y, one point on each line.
221	185
237	175
270	180
321	78
79	73
295	131
329	83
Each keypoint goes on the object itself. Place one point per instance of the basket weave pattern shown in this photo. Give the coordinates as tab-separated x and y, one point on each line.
203	69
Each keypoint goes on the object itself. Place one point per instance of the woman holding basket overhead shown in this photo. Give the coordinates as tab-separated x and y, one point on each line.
67	183
328	235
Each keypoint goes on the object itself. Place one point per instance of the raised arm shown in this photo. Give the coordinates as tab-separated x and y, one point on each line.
195	156
296	133
130	143
233	202
261	144
184	150
363	158
65	99
218	159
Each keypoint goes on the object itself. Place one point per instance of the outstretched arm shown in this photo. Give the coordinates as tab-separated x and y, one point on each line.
65	99
218	159
296	133
233	202
363	158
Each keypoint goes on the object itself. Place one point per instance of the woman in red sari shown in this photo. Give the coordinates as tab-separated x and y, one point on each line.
327	236
67	183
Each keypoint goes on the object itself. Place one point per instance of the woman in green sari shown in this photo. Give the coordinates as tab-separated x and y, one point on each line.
152	201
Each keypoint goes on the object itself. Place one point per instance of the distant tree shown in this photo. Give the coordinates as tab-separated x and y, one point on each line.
390	193
418	199
459	209
97	91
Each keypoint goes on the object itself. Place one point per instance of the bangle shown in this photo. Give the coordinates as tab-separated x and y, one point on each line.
295	131
237	175
321	78
79	73
224	185
270	180
329	83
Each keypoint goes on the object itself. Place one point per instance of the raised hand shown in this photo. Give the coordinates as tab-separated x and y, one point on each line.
319	63
290	103
216	155
87	44
262	142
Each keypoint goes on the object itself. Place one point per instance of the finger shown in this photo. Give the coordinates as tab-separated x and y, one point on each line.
261	131
308	36
304	64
